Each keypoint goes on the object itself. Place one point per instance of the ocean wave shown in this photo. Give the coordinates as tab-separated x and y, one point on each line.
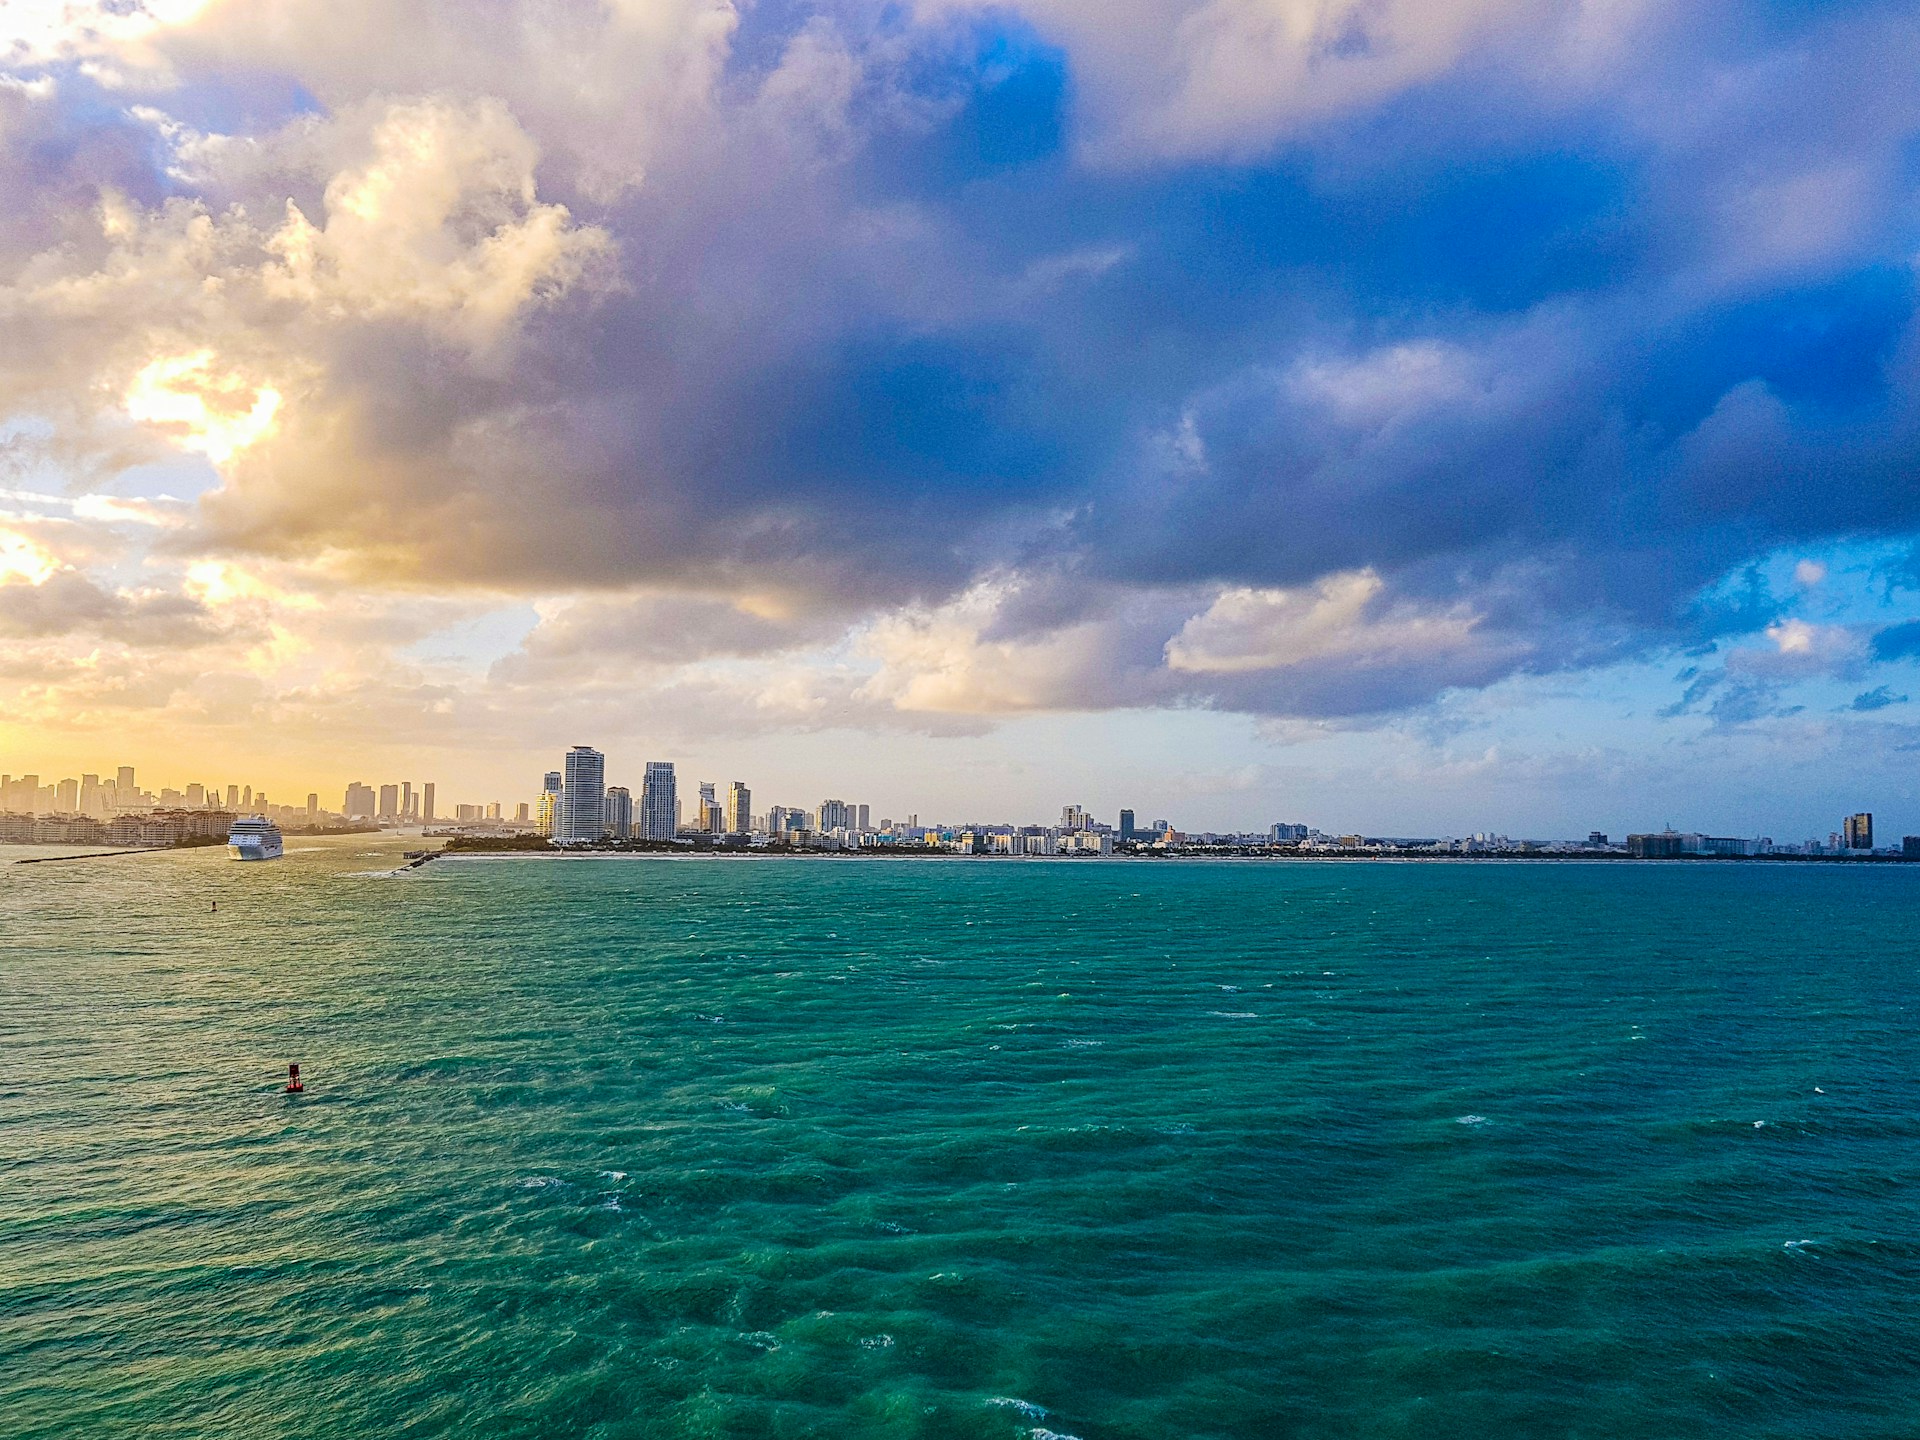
1023	1407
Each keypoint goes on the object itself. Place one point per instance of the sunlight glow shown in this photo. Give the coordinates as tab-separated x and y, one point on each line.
218	415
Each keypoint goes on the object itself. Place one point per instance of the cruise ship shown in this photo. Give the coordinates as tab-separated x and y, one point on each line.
254	839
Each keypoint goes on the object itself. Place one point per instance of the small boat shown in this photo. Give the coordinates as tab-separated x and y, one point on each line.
254	838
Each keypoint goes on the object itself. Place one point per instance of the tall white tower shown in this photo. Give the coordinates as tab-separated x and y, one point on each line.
582	811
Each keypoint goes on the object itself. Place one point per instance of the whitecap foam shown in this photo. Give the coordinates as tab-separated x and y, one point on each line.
876	1342
614	1175
1470	1120
1024	1407
539	1182
1080	1044
1235	1014
1040	1432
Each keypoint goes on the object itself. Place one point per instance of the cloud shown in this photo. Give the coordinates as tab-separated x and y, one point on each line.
1309	361
1878	698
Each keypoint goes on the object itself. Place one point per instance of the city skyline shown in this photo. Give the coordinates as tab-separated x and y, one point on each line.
1444	416
721	807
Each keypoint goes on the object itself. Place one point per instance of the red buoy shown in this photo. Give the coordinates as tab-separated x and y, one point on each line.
294	1087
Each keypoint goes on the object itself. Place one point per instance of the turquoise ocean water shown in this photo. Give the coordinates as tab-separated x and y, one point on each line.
947	1149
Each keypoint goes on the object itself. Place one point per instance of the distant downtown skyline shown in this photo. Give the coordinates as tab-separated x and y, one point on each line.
657	813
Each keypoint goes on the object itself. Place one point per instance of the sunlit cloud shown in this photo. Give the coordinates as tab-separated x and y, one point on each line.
22	559
217	413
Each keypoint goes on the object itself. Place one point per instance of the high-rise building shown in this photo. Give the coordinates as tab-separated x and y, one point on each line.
389	801
835	815
659	802
546	810
860	819
619	812
1073	817
581	812
426	803
357	806
1126	824
313	806
520	814
246	798
196	797
66	797
233	797
407	811
739	817
125	792
1860	831
493	810
92	802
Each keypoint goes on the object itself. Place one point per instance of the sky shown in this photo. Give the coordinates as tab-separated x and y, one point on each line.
1414	416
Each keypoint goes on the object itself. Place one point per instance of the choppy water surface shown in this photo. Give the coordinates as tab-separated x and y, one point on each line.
926	1149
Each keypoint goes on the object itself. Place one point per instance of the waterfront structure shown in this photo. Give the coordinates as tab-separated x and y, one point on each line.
659	802
739	809
426	803
708	817
1285	834
581	811
547	812
1859	831
619	822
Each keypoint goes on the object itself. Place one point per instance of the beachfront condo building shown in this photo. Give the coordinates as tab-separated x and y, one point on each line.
582	809
659	802
619	812
739	809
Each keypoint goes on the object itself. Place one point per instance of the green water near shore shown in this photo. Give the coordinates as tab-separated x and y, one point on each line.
885	1148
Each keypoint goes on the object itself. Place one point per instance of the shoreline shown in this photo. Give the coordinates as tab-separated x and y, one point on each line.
1397	857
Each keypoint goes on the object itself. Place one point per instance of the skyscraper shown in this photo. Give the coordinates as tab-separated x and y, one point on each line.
739	809
546	813
313	806
707	814
389	801
233	797
426	802
619	812
582	810
406	800
1073	817
1860	831
357	806
659	802
1126	824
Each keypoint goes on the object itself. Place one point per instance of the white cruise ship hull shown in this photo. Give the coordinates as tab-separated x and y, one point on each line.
256	850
